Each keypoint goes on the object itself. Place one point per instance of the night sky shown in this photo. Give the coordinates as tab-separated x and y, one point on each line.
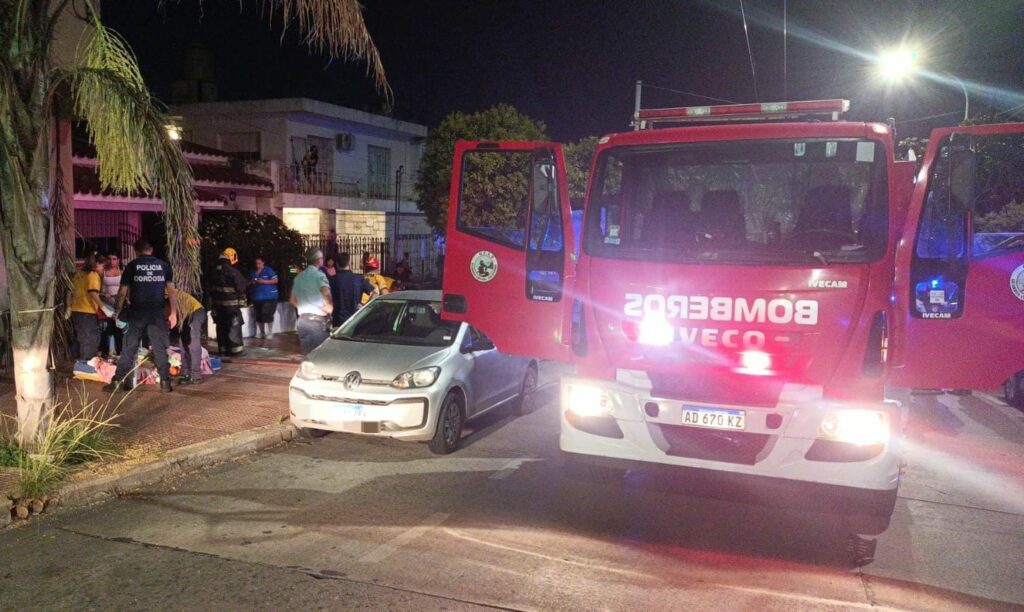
573	65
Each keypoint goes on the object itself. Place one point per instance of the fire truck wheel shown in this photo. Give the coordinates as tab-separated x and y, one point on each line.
860	549
449	426
526	402
310	433
1012	392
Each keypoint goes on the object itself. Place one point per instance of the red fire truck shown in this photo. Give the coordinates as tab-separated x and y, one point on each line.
745	286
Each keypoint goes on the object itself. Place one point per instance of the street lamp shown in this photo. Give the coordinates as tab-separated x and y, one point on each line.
899	64
895	65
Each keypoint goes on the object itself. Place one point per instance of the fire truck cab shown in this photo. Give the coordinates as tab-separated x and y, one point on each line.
746	285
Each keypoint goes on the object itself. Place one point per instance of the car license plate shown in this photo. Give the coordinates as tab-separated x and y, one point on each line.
336	412
713	418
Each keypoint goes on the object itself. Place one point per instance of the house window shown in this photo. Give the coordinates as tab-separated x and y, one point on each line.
378	176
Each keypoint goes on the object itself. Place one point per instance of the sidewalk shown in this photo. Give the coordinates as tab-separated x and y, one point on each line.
249	392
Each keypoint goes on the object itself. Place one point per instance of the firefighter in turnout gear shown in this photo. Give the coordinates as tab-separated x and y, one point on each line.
227	289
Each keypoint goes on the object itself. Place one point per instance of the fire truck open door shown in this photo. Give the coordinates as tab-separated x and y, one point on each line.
959	290
507	263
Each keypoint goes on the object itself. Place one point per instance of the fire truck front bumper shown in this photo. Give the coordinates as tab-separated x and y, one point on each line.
803	439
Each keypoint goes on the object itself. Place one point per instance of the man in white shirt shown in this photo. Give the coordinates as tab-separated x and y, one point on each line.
311	297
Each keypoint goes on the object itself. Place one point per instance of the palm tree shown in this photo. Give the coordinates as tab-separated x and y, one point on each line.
104	88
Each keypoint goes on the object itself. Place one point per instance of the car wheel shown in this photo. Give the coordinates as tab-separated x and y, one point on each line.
310	433
449	426
1012	393
525	403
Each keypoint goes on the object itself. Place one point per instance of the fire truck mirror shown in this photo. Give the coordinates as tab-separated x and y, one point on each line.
545	189
961	179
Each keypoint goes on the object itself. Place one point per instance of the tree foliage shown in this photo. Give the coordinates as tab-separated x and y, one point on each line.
252	235
577	165
433	181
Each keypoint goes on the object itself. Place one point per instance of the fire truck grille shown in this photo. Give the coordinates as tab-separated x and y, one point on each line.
711	444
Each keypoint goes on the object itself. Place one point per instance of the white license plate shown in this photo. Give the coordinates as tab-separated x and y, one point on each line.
713	418
336	412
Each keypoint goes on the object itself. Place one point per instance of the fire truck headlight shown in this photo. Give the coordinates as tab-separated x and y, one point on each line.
860	427
756	363
656	331
585	400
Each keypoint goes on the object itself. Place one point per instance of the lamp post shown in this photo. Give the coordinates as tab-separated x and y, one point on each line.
899	64
398	206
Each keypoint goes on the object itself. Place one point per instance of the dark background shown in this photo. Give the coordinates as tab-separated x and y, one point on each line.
573	65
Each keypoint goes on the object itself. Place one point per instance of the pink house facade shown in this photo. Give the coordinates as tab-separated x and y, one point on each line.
111	222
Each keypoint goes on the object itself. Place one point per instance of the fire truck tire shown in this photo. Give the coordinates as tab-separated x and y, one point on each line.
309	433
1012	391
449	425
526	402
861	550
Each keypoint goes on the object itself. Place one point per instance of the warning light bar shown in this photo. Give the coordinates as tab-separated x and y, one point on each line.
645	118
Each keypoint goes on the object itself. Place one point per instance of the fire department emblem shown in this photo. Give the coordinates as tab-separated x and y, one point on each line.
483	266
1017	282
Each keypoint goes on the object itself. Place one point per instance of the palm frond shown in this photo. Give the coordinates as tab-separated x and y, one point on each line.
334	27
133	150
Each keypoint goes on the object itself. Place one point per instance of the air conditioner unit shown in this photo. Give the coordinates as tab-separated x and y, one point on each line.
344	142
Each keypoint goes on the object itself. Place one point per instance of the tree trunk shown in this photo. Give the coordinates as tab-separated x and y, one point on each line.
30	253
31	332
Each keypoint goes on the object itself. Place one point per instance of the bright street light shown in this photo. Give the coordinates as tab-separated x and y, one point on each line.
897	64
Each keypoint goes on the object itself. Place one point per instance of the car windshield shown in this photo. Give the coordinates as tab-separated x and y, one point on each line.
816	201
412	322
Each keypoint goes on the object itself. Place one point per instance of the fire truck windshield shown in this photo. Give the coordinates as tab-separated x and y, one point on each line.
793	202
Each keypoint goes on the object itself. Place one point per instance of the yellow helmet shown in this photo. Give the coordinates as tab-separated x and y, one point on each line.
230	254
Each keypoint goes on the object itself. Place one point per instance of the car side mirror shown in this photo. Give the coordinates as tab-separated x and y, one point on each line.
477	346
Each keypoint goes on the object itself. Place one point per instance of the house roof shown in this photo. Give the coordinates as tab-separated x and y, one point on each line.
82	148
87	182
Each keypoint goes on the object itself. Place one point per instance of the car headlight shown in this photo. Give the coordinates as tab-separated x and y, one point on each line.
414	379
859	427
585	400
307	371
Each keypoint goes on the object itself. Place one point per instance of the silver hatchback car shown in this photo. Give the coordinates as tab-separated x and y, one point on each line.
396	369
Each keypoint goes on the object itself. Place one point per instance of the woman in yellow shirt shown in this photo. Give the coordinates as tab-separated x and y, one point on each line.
85	304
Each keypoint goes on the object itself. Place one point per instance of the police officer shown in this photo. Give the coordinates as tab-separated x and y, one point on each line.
146	282
227	290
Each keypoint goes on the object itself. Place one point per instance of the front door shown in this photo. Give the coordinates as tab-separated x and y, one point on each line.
960	267
507	267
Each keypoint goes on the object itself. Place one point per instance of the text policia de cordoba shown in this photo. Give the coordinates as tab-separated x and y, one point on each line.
149	273
778	311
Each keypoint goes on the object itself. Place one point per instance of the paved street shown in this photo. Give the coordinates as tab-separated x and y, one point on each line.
346	522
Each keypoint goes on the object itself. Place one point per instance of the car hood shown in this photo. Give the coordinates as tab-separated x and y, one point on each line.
373	361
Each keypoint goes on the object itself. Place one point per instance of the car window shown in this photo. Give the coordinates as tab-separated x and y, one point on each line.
414	322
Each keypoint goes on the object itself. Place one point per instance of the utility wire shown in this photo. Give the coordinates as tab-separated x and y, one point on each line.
917	119
750	52
690	93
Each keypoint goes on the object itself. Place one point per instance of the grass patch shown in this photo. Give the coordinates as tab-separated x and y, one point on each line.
81	430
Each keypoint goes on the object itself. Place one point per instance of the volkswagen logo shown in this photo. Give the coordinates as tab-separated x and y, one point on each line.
353	380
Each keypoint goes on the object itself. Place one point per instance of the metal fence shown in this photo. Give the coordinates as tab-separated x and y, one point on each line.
296	180
424	252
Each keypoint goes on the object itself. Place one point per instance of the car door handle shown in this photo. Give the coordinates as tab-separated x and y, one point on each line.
454	303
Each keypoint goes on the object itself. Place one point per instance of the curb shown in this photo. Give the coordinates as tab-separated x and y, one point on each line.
177	461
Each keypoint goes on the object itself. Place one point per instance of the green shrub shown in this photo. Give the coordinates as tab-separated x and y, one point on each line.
252	235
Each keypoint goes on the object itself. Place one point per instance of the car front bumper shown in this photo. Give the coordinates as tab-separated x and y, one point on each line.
394	413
